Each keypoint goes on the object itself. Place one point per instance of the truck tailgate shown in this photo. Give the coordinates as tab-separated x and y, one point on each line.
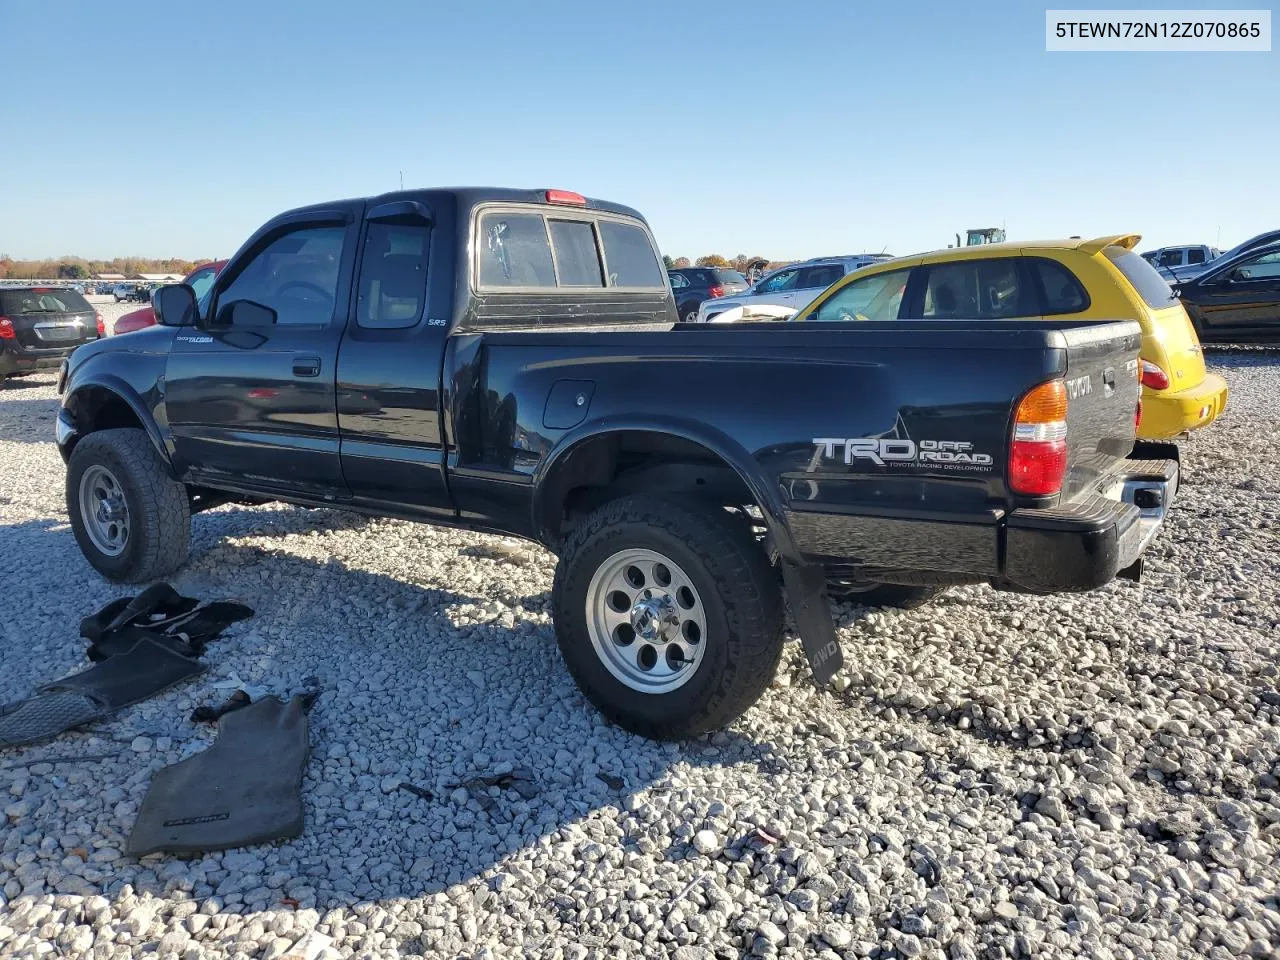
1102	399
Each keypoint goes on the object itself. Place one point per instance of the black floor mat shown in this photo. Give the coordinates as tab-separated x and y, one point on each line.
142	671
46	715
243	790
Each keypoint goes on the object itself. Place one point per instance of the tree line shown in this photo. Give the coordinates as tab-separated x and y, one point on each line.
738	263
79	268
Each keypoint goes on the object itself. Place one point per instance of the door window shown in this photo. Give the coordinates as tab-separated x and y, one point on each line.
678	282
393	276
876	297
779	283
819	277
296	275
1265	267
1170	258
201	282
981	289
1196	255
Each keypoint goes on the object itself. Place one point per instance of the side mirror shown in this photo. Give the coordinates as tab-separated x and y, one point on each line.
175	305
245	313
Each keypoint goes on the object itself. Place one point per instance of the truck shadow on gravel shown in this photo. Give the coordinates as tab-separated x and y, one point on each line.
448	736
26	421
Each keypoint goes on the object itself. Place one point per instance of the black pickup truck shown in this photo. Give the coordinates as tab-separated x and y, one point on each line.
511	361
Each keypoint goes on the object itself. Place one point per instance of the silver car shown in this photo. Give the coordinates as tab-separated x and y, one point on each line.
792	287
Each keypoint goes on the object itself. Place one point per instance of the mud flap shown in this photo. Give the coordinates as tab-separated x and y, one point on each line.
807	592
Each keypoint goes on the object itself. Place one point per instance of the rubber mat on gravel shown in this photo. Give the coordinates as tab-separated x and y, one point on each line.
245	789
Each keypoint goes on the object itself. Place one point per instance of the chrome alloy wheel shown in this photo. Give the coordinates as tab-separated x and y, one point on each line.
104	510
646	621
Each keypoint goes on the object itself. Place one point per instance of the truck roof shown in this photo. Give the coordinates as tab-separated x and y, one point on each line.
464	198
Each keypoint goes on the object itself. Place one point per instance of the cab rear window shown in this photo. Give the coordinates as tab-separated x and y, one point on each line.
526	249
1142	276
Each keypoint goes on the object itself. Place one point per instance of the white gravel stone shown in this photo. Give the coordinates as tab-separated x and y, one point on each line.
996	776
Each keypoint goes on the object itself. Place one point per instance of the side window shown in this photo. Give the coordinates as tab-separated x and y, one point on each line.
819	277
779	282
1195	255
577	260
1170	258
876	297
514	251
1061	291
630	256
393	276
678	282
975	290
296	275
1265	267
202	282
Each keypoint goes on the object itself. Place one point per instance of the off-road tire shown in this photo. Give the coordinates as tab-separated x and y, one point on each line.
739	590
159	512
887	595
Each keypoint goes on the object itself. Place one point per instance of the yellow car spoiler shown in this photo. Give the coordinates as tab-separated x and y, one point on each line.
1126	240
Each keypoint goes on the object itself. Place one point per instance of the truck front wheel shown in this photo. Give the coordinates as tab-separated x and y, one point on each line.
668	615
130	518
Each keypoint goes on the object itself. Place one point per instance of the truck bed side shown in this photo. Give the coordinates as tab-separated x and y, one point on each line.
815	423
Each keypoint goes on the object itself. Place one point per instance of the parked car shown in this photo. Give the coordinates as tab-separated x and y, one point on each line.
200	280
40	326
694	285
1185	261
542	388
1237	299
1088	279
792	286
124	292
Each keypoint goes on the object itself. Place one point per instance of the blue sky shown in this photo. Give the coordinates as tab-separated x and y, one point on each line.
790	130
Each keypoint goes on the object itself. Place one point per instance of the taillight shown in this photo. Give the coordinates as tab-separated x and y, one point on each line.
1038	453
6	329
102	327
716	291
1153	376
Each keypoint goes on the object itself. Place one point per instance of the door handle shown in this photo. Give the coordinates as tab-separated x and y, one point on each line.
306	366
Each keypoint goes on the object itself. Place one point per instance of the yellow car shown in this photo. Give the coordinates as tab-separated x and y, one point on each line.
1102	279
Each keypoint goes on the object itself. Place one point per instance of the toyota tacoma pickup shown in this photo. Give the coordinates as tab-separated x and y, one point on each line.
511	361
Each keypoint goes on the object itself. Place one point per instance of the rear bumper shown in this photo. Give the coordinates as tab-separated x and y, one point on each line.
1078	546
15	358
1084	544
1168	414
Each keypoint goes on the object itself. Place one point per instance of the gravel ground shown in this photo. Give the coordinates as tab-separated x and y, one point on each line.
999	775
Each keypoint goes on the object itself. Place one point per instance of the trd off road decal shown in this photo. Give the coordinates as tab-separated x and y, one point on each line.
957	455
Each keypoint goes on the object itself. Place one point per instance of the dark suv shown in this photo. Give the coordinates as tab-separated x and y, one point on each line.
692	285
39	326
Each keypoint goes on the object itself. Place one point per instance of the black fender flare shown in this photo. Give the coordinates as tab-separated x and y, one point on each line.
805	584
122	390
728	450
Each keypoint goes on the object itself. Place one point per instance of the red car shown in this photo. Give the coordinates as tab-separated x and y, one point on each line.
200	279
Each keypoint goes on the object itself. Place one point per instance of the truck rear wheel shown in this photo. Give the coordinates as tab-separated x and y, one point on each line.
130	518
884	594
668	615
